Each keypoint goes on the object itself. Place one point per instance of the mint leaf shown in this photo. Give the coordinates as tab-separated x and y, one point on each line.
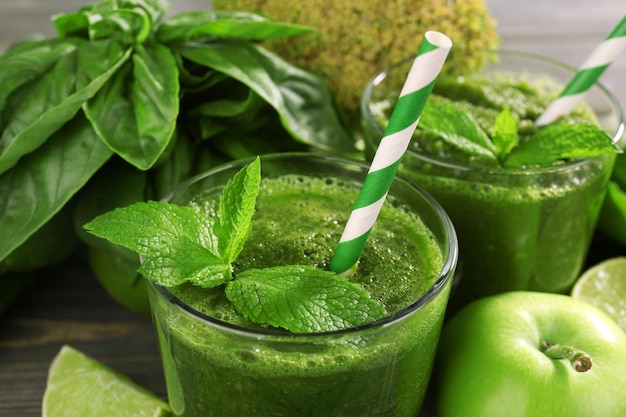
559	141
505	135
302	299
171	270
178	243
457	127
236	210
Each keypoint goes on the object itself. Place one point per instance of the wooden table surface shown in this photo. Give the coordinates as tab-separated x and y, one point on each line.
66	305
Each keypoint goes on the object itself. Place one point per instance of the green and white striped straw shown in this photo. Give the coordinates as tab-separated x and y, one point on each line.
587	74
402	123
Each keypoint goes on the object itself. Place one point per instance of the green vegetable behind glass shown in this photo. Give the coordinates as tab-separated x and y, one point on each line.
121	90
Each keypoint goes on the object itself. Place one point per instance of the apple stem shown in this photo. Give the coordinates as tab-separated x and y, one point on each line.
580	361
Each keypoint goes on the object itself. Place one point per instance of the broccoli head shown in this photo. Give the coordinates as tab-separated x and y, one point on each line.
356	38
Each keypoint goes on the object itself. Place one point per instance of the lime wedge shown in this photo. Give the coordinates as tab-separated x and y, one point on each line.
80	386
604	285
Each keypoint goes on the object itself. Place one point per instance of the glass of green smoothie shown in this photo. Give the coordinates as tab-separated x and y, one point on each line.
218	363
519	228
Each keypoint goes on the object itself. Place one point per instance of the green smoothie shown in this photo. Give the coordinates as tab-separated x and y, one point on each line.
523	228
218	364
519	233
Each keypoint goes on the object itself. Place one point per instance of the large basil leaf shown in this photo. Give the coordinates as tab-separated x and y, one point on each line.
44	181
304	103
135	112
26	43
200	24
29	61
36	112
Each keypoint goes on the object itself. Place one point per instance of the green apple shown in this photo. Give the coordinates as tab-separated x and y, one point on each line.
529	354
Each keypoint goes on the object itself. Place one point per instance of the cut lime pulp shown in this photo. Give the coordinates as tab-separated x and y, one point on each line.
80	386
604	285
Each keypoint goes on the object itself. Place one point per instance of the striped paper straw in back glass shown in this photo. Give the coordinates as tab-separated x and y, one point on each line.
588	73
402	123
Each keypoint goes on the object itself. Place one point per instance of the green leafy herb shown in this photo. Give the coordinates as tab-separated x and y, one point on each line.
169	97
559	141
236	210
35	114
181	245
25	63
505	135
456	126
178	243
70	157
200	24
290	91
140	102
302	299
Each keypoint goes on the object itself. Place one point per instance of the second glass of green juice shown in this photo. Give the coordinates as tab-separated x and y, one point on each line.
218	364
521	228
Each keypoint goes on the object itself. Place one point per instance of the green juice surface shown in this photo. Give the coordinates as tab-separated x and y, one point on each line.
381	371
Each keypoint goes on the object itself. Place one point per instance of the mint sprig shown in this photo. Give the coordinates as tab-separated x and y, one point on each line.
180	245
456	126
505	136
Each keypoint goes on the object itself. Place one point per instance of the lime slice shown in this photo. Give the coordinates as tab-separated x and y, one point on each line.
79	386
604	285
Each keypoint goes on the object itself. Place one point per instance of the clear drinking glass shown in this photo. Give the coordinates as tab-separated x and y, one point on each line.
518	229
215	368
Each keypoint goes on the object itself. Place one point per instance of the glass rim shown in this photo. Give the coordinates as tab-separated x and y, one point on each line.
444	277
572	164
